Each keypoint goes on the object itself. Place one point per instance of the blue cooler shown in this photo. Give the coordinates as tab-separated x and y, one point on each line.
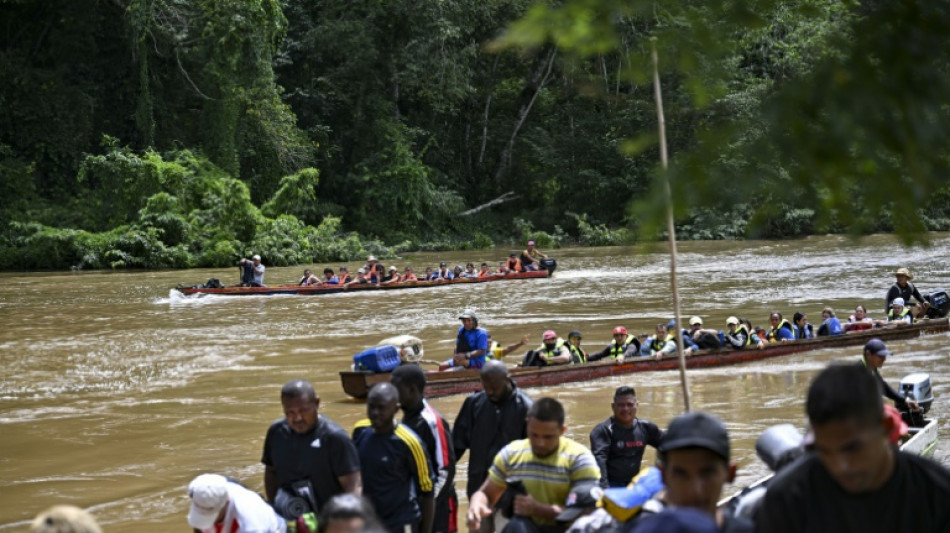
378	359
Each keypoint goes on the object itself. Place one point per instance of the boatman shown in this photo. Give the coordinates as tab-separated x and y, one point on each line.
856	479
471	344
252	272
487	421
531	257
622	346
304	447
547	464
618	442
433	429
218	504
875	353
395	465
905	290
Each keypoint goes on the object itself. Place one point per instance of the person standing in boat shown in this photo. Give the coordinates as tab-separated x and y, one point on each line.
399	480
855	480
623	346
875	353
531	257
252	272
309	449
433	429
905	290
781	330
618	442
486	422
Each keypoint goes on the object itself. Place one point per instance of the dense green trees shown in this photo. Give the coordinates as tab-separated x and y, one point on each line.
156	133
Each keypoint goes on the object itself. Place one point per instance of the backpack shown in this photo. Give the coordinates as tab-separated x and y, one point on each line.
707	341
213	283
533	358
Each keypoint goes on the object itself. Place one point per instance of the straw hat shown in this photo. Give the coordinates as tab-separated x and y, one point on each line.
903	272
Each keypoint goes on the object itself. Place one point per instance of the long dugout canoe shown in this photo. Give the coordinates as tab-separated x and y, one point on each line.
297	289
358	383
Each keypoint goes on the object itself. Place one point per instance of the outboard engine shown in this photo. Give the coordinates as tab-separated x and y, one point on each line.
939	304
779	445
548	264
917	387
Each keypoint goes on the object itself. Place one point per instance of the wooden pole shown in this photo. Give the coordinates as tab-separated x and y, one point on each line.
670	229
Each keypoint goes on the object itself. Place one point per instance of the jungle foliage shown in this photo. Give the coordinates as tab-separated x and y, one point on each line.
176	133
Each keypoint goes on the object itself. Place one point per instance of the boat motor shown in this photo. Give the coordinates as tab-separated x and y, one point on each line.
779	445
939	304
549	264
917	387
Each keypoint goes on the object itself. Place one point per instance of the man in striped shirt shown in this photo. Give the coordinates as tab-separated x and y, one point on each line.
547	464
397	476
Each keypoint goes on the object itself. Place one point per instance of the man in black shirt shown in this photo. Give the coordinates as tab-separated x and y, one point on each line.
619	441
903	288
433	429
395	465
855	480
488	421
875	353
304	447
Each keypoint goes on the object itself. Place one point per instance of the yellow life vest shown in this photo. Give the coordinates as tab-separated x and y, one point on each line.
772	335
554	352
657	344
891	317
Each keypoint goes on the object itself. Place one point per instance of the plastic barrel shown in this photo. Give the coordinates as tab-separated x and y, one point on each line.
378	359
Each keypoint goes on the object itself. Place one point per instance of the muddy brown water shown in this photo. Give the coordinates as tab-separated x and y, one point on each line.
115	391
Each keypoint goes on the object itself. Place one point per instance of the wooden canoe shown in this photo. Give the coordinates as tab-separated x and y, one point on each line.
357	384
333	289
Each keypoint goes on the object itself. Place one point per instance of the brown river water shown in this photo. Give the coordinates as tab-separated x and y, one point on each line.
116	391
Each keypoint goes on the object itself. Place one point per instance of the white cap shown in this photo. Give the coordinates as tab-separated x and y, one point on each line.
732	321
392	267
361	271
695	320
256	258
897	301
209	493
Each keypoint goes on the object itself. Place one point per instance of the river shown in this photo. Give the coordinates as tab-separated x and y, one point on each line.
116	391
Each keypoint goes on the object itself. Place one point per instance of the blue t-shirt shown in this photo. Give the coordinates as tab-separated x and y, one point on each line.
831	326
477	339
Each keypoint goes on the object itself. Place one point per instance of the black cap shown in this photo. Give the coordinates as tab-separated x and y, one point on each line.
575	333
677	520
581	498
876	346
696	430
442	264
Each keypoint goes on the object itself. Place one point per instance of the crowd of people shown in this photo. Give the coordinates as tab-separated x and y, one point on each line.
373	272
474	347
395	471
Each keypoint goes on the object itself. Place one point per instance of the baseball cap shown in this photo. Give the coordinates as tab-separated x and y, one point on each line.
361	271
392	267
549	334
876	346
530	243
732	321
209	493
677	520
696	430
581	498
695	320
256	258
468	313
897	302
620	330
575	333
442	264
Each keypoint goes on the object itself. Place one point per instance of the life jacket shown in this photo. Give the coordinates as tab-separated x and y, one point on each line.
855	325
891	317
346	278
772	335
553	352
514	264
304	281
578	356
748	336
409	277
491	350
616	350
657	344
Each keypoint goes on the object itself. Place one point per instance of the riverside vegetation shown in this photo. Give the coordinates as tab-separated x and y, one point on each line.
181	133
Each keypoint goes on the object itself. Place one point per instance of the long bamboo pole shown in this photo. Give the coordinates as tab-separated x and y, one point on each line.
670	229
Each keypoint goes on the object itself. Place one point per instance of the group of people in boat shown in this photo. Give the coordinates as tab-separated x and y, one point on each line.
474	347
373	272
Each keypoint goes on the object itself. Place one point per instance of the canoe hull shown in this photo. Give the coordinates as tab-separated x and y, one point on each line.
296	289
357	384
